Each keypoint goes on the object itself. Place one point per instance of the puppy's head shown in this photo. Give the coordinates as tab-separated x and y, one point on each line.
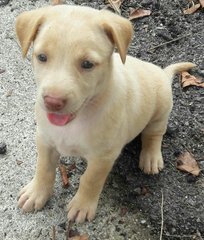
72	54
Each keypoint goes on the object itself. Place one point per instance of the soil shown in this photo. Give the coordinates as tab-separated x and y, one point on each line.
183	194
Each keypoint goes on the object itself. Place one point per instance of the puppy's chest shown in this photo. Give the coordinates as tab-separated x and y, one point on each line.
70	140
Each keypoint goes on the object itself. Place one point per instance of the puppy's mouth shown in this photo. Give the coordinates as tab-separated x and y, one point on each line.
60	119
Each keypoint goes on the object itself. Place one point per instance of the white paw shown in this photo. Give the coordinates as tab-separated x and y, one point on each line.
33	197
81	209
151	163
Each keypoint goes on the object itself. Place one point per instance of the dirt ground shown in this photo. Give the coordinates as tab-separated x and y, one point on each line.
177	195
183	206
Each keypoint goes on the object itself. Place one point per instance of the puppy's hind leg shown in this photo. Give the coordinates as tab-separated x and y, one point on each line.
36	193
151	161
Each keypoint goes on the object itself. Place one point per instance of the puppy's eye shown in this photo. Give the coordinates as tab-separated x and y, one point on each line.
42	58
87	65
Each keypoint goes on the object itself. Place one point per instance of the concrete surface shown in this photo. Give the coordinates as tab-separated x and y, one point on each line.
17	130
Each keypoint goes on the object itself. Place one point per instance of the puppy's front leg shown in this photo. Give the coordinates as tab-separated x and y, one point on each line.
36	193
84	203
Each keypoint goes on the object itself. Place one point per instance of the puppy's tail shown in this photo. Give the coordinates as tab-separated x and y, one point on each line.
173	69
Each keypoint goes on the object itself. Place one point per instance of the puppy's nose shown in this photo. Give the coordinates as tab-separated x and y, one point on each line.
54	104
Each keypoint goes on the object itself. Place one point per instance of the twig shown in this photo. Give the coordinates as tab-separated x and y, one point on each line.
69	225
162	215
53	233
63	173
179	236
171	41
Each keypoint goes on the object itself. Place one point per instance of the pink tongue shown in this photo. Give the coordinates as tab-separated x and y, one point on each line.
59	119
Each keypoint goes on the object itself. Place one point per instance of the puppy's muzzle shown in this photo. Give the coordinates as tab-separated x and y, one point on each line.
54	104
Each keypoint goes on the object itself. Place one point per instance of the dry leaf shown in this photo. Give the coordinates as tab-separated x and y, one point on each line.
57	2
186	162
138	13
201	3
115	4
9	93
123	211
192	9
80	237
188	80
63	172
19	162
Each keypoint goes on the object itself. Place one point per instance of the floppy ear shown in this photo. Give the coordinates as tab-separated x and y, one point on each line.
27	25
119	30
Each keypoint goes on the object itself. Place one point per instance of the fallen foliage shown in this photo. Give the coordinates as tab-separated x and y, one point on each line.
123	211
64	175
57	2
192	9
138	13
189	80
80	237
187	163
115	5
74	234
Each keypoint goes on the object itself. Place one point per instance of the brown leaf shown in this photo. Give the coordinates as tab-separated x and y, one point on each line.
9	93
188	80
144	190
192	9
63	172
115	4
80	237
201	3
138	13
123	211
2	71
57	2
187	163
19	162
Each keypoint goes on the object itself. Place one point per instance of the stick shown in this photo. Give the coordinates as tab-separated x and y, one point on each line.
69	225
171	41
64	177
53	233
162	215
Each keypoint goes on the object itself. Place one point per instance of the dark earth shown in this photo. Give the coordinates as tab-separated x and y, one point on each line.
183	194
177	195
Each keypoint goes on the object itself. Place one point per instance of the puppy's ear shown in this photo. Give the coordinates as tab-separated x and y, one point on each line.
27	25
119	30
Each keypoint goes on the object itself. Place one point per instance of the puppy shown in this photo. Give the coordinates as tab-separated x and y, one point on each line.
90	100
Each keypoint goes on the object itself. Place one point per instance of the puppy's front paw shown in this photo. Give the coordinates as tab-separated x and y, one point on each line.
151	163
80	208
33	197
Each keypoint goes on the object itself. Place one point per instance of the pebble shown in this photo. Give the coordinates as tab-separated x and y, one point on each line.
4	2
3	148
143	222
201	163
191	179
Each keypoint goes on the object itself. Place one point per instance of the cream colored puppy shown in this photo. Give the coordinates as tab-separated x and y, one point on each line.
90	101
